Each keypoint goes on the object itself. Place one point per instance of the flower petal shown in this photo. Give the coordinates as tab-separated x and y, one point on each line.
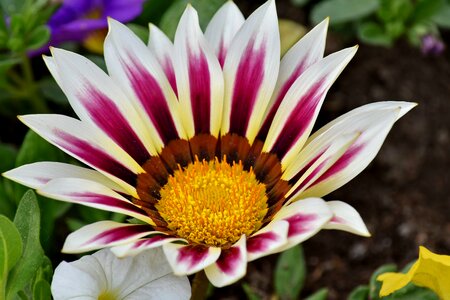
38	174
92	194
307	51
269	238
134	68
199	77
230	266
104	234
138	246
373	121
82	142
346	218
311	163
162	49
222	28
189	259
250	72
305	217
97	100
298	111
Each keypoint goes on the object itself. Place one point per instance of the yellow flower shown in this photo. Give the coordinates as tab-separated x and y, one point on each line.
431	271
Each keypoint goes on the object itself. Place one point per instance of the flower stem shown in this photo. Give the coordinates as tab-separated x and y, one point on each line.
38	103
200	286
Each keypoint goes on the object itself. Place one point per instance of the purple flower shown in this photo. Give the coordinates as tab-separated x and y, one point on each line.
77	20
431	45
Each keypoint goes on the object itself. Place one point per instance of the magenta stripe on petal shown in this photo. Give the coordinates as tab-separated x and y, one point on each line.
284	89
200	92
170	74
341	163
109	118
298	224
118	234
310	176
229	260
222	53
192	255
108	201
149	241
261	242
248	82
96	157
299	120
152	98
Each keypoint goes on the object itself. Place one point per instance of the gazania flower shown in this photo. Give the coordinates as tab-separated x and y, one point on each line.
206	142
102	275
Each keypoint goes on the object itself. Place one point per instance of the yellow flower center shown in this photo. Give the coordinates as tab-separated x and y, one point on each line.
107	295
213	203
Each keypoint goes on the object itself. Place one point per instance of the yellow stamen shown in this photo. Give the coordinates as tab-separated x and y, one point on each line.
107	295
213	203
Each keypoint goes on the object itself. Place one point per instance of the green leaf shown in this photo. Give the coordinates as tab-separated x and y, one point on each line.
11	242
8	157
290	273
11	6
375	285
41	290
251	295
321	294
398	10
341	11
442	17
372	33
426	9
359	293
205	9
141	31
38	37
27	221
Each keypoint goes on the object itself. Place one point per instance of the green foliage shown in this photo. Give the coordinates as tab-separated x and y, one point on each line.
372	290
382	22
24	270
290	273
341	11
251	295
321	294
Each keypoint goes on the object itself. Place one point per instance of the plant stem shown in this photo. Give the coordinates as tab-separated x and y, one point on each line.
38	103
200	286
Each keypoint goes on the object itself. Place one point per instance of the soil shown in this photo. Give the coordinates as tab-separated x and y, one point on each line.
403	196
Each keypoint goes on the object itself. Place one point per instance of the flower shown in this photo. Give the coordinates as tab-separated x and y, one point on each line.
86	20
431	271
431	45
205	141
104	276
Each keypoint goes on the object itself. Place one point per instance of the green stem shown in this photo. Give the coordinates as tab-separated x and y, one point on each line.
200	286
38	103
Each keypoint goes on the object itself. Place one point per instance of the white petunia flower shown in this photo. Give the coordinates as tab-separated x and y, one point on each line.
104	276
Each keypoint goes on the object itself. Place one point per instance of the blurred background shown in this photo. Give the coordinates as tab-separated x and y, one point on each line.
403	196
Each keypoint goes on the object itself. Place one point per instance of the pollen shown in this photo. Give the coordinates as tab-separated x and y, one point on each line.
213	203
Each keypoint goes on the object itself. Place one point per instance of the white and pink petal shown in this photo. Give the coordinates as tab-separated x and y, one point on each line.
269	238
38	174
136	247
104	234
306	217
222	28
373	123
96	99
199	77
250	72
307	51
134	68
230	266
87	145
92	194
300	107
346	218
189	259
